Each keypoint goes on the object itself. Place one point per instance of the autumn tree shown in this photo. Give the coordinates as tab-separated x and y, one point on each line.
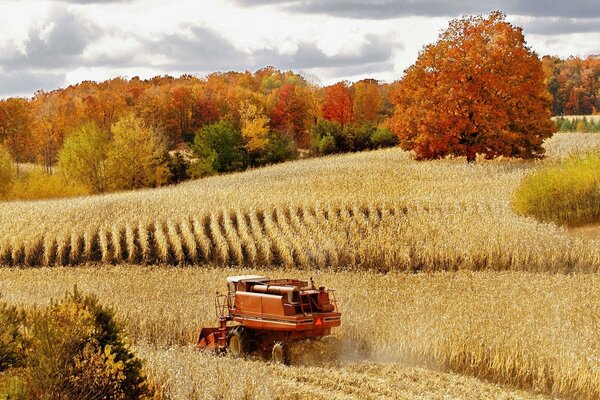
478	90
15	128
290	113
337	103
255	126
135	155
83	157
368	101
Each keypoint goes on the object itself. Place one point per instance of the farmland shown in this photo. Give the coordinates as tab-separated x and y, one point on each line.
501	306
536	331
376	210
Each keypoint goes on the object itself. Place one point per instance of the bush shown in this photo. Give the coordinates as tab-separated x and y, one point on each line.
327	145
37	184
13	386
565	193
77	351
178	167
358	137
219	148
7	172
12	343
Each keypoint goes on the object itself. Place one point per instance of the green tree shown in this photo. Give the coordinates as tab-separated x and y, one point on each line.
219	147
328	132
135	156
7	172
279	147
83	157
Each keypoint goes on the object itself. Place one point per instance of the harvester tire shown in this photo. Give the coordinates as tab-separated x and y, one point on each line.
280	353
237	342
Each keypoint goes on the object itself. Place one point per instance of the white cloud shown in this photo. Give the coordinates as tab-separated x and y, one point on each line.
83	39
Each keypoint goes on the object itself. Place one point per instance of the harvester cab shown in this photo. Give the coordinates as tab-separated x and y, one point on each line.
266	315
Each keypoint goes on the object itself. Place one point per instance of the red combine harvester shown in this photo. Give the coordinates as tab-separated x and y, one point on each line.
269	314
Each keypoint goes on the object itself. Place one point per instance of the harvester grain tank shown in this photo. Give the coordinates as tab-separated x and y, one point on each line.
267	315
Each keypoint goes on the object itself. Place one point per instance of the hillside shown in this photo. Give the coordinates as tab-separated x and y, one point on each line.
373	210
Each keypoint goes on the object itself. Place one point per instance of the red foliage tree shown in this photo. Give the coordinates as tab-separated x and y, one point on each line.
290	114
337	103
478	90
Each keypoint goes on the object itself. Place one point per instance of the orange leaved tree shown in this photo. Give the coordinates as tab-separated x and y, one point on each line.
478	90
337	104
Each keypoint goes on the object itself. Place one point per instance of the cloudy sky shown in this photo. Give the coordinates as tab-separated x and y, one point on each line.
50	44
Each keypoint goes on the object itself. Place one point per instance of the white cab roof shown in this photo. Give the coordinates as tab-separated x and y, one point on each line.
254	278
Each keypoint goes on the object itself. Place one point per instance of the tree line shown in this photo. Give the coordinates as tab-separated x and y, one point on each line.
574	84
230	121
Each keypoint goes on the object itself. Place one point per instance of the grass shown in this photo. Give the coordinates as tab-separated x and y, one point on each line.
565	193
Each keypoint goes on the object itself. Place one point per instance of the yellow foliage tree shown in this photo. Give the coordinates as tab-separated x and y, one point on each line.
135	156
255	126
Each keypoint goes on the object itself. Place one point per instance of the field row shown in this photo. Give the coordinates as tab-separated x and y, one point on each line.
356	236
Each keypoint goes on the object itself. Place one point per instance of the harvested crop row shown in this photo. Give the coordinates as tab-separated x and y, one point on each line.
379	237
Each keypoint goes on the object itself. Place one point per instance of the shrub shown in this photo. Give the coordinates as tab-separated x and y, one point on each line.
327	137
77	351
13	386
37	184
565	193
11	341
358	137
327	145
178	167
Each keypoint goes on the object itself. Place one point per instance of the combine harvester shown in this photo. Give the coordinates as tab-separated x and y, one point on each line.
269	315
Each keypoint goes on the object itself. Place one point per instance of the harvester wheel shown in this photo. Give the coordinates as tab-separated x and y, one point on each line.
237	342
280	353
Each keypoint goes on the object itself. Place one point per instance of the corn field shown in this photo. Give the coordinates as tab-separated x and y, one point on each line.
531	331
524	326
376	210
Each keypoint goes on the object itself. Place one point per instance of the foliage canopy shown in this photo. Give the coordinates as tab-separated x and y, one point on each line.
478	90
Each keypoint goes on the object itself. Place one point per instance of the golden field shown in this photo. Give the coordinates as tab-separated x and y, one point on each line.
499	305
376	210
534	331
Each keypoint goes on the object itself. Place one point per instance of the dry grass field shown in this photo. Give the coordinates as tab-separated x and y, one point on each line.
500	306
534	331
